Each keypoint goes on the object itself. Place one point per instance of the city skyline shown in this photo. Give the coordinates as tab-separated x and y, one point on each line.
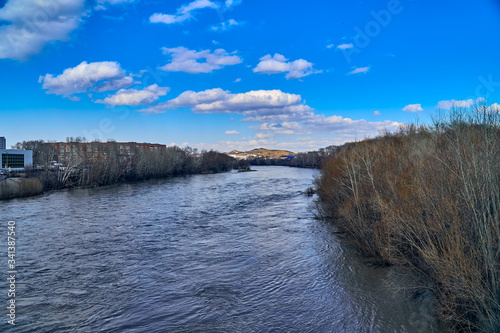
240	74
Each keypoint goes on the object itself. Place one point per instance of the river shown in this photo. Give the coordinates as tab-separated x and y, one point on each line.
230	252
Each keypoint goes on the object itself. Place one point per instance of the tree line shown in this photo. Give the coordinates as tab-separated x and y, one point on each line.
110	165
311	159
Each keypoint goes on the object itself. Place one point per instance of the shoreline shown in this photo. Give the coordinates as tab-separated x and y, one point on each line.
25	187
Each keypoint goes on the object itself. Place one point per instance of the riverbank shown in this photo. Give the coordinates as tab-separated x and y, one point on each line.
428	197
11	188
83	170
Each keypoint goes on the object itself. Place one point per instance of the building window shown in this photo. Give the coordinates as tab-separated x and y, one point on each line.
12	160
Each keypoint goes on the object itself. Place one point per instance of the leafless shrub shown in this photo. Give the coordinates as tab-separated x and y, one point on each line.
428	197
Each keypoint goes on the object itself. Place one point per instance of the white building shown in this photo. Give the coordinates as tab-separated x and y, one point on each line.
15	160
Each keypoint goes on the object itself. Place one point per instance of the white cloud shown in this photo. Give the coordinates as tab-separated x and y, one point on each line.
482	108
232	132
32	24
376	113
115	84
185	60
183	13
262	135
252	103
167	18
346	125
225	25
279	112
279	126
447	105
413	108
114	2
359	70
101	3
279	64
98	76
232	3
330	46
237	80
99	7
197	4
495	107
135	97
345	46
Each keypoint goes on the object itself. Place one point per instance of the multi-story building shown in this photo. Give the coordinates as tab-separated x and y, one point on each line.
3	143
15	160
68	151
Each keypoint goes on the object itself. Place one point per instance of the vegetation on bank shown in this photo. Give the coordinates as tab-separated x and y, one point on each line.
310	159
111	167
429	197
20	187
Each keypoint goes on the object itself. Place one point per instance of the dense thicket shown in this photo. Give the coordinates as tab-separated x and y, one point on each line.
428	197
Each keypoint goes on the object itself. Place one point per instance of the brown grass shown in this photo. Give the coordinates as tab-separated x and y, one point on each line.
428	197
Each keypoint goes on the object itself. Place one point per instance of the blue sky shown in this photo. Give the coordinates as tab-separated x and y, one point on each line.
240	74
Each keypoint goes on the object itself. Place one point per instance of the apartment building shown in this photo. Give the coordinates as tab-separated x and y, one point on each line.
67	151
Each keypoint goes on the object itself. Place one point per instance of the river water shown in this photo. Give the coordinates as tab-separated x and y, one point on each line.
231	252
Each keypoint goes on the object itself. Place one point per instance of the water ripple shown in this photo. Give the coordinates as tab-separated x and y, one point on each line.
211	253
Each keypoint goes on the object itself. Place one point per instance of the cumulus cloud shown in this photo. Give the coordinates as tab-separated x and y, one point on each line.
262	135
447	105
279	112
252	103
232	132
376	113
29	25
330	46
345	46
495	107
133	97
224	26
190	61
183	13
413	108
339	124
97	76
279	64
359	70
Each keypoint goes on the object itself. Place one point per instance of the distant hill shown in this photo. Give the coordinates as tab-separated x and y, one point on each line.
260	152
